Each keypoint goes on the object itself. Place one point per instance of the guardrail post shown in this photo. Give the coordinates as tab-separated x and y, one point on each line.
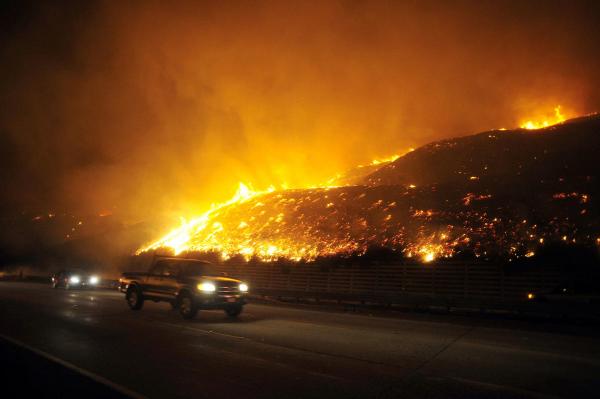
270	276
502	296
403	279
378	279
466	281
433	279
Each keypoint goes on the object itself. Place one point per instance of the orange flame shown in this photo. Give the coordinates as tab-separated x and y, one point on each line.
556	118
179	238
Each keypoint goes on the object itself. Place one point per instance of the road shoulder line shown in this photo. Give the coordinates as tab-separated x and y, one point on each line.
94	377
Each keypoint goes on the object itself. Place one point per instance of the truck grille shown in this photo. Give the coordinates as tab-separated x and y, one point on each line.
228	290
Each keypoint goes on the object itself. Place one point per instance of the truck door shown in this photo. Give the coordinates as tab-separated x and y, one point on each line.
164	280
154	280
169	279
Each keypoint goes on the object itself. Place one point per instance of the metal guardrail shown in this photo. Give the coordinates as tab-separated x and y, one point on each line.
451	280
460	288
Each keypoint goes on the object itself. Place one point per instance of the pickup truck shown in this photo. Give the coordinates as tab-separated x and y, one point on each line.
187	284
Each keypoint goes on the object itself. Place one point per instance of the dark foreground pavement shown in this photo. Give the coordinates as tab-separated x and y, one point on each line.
285	352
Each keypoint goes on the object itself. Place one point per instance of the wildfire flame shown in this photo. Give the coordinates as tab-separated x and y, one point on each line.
556	118
299	225
179	239
385	160
204	232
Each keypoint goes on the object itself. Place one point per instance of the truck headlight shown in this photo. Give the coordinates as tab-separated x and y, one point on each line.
94	280
243	287
74	280
207	287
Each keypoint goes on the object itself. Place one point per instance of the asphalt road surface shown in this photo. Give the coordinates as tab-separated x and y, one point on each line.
275	351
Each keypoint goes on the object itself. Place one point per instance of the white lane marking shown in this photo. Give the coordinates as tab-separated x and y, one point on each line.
205	332
278	345
524	392
95	377
444	348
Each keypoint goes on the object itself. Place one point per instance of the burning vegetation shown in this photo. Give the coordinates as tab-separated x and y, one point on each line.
545	120
492	195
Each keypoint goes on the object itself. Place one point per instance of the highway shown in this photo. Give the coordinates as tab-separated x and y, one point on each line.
281	351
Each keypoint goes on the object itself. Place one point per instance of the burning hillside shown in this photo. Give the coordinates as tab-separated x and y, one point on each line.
496	194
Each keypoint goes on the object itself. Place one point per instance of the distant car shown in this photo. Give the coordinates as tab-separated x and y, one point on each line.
188	285
75	278
569	292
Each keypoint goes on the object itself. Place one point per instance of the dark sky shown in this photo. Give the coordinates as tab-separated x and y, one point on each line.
155	107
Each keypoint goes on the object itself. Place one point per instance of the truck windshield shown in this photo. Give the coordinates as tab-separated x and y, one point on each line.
199	269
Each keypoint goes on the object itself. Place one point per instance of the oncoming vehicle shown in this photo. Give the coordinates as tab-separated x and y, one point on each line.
187	284
569	292
75	278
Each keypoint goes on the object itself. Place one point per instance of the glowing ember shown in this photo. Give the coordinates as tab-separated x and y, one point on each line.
428	257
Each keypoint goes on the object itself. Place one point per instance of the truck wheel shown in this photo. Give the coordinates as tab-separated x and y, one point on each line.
134	298
187	306
233	310
174	304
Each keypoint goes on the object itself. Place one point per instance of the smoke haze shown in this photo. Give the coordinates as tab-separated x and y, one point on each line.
155	108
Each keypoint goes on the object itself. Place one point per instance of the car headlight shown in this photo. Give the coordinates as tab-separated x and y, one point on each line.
94	280
74	280
243	287
207	287
530	296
